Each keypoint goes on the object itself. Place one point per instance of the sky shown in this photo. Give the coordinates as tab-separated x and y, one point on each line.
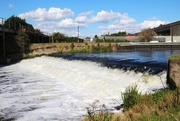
93	17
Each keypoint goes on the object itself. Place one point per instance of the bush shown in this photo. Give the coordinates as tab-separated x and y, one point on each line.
160	106
98	113
130	97
99	49
78	51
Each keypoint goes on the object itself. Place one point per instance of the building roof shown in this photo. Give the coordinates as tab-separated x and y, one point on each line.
167	26
129	37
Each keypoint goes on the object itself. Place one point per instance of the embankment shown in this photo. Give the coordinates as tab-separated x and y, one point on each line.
173	77
49	48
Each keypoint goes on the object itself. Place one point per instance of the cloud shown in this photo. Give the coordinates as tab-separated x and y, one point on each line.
125	19
124	23
151	23
66	26
63	20
82	19
11	6
70	24
42	14
85	13
104	17
128	24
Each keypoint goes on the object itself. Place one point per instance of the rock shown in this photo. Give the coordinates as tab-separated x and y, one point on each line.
119	107
173	75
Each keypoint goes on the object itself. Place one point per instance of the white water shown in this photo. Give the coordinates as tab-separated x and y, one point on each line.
48	88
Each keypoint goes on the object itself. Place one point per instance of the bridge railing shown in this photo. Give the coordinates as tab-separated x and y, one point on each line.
4	28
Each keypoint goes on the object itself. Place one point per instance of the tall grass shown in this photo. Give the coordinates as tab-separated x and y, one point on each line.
130	97
100	49
160	106
98	112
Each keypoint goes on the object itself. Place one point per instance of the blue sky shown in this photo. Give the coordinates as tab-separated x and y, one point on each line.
94	17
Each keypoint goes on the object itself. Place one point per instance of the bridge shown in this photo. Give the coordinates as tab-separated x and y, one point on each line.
3	32
5	29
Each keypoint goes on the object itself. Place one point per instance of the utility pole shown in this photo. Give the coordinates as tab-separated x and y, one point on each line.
52	39
78	33
49	37
171	29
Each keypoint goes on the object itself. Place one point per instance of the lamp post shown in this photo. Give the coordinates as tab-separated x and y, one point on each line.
78	33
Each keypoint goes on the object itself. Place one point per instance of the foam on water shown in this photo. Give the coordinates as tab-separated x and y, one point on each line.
48	88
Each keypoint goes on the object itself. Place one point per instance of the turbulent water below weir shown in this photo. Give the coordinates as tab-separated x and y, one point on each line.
61	87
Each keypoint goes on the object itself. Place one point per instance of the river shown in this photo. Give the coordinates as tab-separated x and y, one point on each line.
62	87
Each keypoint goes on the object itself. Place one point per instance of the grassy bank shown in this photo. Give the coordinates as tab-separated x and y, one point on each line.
175	57
160	106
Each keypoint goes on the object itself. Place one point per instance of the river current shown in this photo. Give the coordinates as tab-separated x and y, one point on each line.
62	87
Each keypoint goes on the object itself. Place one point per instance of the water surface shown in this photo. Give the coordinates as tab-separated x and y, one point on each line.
60	88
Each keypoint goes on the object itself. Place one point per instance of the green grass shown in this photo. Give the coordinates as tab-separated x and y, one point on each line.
160	106
101	49
130	97
175	57
73	51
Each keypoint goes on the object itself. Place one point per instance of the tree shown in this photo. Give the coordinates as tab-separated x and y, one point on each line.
96	36
17	23
37	31
23	41
58	37
119	34
147	34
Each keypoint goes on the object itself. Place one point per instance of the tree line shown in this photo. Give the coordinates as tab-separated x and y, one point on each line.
25	35
146	35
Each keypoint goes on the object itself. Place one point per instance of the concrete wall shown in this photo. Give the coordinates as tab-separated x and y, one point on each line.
176	30
168	38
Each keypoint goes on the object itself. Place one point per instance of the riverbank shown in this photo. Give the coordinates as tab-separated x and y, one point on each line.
73	48
50	48
160	106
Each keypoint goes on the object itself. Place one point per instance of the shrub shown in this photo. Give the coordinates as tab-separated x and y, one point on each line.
163	105
78	51
61	48
99	49
130	97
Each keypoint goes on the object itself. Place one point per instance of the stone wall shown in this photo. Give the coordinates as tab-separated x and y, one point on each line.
173	76
49	48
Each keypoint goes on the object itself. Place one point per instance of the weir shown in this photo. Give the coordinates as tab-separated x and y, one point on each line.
54	88
149	47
